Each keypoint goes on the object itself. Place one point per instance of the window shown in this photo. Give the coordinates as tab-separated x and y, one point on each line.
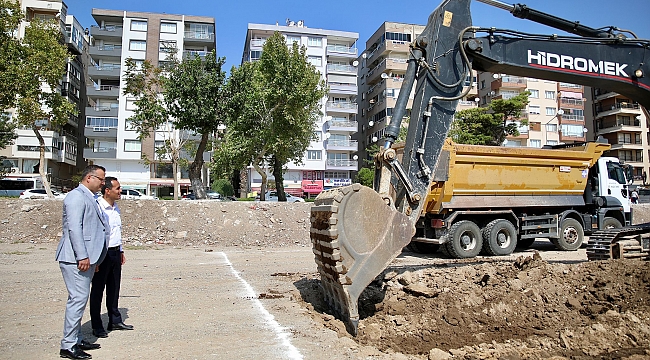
550	111
572	130
138	25
315	41
292	39
315	60
138	45
482	84
534	93
256	54
314	155
397	36
168	46
132	145
130	105
536	143
551	127
166	27
533	109
549	94
128	125
98	122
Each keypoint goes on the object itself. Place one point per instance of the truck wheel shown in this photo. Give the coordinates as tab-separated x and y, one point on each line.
524	244
423	248
611	223
465	241
499	237
571	235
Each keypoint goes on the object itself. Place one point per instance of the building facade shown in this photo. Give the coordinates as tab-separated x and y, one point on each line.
112	142
329	160
624	124
63	144
555	112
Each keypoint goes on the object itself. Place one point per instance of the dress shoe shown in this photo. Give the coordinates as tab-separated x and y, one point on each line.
74	353
119	326
85	345
100	333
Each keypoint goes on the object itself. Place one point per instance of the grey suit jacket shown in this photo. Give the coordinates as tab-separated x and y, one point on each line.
85	229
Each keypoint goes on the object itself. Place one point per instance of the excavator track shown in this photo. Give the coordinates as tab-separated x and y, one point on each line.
355	235
632	242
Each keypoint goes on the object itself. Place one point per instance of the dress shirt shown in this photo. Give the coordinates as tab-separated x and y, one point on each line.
112	214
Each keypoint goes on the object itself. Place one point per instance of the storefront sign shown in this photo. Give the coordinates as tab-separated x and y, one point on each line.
337	182
312	186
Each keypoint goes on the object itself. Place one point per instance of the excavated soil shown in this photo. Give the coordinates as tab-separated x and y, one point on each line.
485	308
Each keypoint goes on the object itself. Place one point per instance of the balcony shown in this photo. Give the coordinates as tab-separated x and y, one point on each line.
572	103
103	91
195	37
509	82
342	145
337	125
398	65
106	32
570	117
619	108
257	43
332	164
341	69
462	105
191	54
100	132
620	125
104	71
100	153
342	89
602	94
572	138
341	107
341	50
627	146
562	86
101	111
105	52
389	45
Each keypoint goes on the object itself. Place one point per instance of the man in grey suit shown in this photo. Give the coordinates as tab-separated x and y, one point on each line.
82	248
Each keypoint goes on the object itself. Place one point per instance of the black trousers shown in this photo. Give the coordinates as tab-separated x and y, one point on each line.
109	277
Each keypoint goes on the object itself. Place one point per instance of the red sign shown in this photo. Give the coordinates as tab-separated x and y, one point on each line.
312	186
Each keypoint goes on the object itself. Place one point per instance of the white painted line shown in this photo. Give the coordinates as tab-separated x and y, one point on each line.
281	333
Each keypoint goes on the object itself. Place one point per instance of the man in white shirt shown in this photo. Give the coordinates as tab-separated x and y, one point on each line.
110	271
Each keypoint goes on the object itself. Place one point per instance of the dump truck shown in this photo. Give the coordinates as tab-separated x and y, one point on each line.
463	197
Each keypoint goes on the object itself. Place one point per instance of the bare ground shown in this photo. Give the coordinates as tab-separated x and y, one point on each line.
526	306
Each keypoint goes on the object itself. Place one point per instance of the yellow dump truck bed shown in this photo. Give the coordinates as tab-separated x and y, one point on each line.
471	176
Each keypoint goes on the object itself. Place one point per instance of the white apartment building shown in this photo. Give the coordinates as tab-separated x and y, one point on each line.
112	143
330	160
62	155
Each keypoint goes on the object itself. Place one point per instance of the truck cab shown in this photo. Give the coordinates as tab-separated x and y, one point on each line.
612	186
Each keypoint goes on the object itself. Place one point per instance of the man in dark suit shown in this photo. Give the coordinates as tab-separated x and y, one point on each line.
109	274
82	247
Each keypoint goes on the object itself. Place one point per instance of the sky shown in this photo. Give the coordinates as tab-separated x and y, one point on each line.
365	17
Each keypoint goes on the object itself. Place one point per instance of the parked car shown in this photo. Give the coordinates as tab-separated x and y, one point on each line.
130	194
40	194
273	196
210	195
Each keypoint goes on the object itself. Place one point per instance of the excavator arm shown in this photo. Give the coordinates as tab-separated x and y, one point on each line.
357	231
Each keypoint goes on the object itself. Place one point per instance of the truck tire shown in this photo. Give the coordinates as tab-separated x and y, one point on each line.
465	240
524	244
571	235
422	247
611	223
499	237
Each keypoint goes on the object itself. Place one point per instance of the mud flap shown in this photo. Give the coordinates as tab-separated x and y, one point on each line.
355	235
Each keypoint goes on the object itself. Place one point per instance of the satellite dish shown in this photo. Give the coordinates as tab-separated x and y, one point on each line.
364	55
371	123
355	63
384	76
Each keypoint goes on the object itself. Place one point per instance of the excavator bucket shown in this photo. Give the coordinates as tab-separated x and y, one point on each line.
355	235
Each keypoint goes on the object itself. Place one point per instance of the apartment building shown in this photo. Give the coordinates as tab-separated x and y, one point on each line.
329	160
112	142
62	155
555	113
624	123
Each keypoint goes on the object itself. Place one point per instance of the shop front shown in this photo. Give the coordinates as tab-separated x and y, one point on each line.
312	187
334	183
165	187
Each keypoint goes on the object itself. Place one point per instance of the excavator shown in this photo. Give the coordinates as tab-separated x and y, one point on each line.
357	231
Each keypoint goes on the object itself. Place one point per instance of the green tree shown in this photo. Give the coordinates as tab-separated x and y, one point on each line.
489	125
365	177
33	67
186	97
223	187
273	108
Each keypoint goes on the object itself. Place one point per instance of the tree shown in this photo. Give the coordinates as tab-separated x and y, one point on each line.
273	108
365	177
33	67
489	125
187	96
7	136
